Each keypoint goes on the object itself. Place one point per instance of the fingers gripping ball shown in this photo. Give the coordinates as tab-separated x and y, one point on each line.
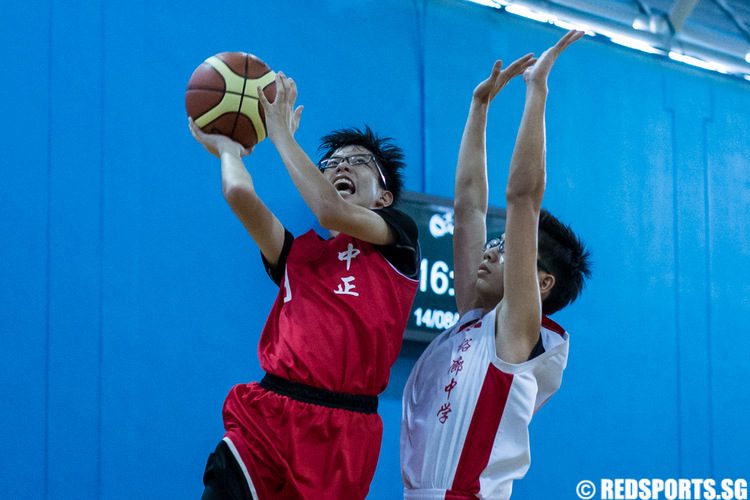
222	96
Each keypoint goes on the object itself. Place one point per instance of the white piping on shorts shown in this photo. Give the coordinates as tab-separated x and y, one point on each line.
242	466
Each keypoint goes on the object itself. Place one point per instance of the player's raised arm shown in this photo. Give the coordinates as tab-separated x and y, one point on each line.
239	191
471	194
519	313
319	193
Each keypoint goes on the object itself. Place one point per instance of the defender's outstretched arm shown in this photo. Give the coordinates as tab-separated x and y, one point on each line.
520	312
470	205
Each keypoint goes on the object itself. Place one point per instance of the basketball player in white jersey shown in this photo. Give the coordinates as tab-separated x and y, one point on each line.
471	395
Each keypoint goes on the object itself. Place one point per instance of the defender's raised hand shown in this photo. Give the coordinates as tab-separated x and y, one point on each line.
488	89
539	72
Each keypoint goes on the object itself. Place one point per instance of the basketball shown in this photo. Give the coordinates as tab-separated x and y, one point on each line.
222	96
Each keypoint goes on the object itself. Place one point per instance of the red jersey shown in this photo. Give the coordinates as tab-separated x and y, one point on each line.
339	318
337	324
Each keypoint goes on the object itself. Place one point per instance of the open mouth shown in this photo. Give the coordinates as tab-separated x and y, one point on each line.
344	186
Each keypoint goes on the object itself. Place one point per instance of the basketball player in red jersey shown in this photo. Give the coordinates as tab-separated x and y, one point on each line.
310	429
470	397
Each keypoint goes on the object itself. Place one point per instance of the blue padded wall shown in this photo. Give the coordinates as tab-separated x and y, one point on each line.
132	299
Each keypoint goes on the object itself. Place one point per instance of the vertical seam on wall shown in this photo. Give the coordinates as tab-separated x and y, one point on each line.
707	236
421	16
48	264
676	241
100	347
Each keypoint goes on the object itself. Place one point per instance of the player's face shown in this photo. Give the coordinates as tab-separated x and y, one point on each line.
490	285
354	172
490	273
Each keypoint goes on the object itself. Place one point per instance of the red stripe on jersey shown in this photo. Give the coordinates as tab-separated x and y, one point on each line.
551	325
482	430
469	324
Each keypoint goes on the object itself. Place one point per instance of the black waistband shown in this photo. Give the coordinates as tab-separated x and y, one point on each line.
316	396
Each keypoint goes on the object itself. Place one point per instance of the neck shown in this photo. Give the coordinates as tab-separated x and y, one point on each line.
488	303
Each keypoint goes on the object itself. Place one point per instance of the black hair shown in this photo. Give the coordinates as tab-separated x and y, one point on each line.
389	156
567	259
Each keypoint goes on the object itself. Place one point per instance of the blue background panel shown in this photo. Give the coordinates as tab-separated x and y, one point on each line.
24	253
132	299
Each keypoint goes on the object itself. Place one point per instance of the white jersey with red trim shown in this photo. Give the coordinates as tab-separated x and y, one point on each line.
464	427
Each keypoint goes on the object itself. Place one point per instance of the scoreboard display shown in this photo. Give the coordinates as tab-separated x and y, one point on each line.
434	308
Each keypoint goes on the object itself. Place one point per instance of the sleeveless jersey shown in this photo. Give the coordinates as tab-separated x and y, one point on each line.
464	427
337	324
339	317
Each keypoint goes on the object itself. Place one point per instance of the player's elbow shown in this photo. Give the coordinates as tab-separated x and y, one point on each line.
327	221
329	214
237	193
529	191
466	201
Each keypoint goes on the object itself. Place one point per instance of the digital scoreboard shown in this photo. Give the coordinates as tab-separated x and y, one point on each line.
434	308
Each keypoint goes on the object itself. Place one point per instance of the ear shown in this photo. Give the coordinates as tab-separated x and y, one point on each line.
384	200
546	282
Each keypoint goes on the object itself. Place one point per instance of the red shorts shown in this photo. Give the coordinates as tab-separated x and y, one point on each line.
294	450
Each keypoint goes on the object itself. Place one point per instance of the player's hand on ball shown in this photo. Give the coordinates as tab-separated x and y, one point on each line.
281	117
216	144
488	89
539	72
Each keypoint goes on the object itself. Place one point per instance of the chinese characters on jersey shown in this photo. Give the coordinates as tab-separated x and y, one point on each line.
454	371
347	287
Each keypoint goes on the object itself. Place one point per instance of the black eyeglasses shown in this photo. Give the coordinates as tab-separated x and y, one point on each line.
500	245
353	161
495	242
